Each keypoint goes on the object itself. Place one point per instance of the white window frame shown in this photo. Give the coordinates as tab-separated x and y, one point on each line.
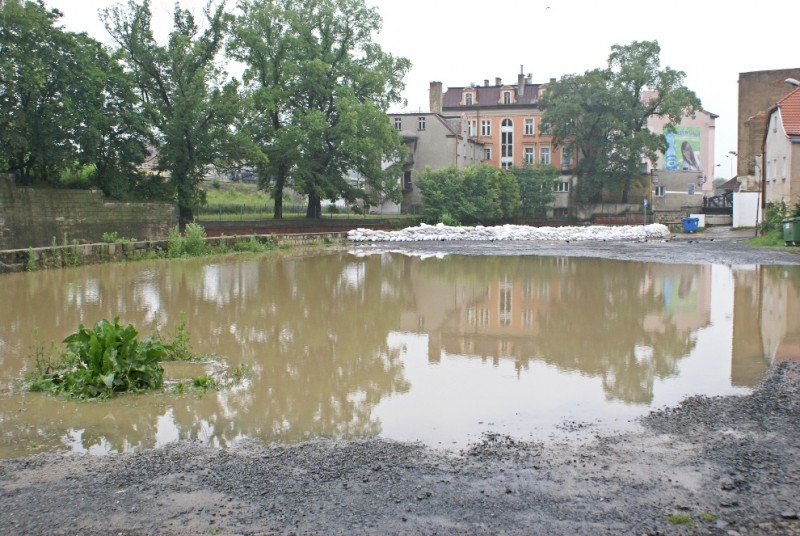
544	154
468	98
529	154
398	123
530	128
506	97
487	153
486	127
472	127
421	123
562	186
660	191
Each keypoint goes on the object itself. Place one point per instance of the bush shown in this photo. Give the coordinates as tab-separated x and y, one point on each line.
195	240
102	360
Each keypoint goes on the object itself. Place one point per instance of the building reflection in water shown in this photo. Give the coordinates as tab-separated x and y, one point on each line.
351	346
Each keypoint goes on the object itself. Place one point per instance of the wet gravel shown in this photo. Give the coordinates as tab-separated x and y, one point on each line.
711	465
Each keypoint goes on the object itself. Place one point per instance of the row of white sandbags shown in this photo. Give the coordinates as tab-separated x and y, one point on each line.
443	232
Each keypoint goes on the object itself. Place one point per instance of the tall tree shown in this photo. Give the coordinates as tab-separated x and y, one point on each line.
39	90
603	113
184	91
323	87
535	188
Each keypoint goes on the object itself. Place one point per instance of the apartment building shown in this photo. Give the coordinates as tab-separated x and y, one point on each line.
505	118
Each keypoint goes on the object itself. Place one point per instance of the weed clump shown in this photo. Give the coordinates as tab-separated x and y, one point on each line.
102	360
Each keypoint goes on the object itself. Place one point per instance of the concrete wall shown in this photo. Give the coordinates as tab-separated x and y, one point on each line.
705	121
746	209
32	217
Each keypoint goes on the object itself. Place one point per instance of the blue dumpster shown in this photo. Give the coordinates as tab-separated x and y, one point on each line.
690	225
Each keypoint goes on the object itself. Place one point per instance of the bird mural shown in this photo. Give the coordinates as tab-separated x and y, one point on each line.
689	161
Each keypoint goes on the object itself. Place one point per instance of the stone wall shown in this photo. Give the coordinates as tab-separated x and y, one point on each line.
33	217
43	258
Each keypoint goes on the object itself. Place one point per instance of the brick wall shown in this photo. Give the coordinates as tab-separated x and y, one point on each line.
32	217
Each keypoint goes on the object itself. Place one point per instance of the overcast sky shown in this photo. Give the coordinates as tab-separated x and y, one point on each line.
459	42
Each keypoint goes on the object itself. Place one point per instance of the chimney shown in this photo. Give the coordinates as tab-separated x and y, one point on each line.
498	81
520	85
529	79
486	82
436	97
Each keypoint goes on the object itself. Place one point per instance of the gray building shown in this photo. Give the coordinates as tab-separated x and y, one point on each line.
433	141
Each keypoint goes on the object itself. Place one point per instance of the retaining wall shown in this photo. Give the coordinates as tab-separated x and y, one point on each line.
33	217
19	260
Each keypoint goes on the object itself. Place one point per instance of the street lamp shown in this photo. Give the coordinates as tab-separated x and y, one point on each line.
732	155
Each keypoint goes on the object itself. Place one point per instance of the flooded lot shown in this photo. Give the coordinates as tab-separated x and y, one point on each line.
401	347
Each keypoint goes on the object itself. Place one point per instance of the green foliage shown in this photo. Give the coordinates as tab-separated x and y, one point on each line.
194	240
318	88
252	245
680	519
184	96
112	238
204	382
102	360
479	194
602	115
30	263
178	347
535	189
70	252
66	116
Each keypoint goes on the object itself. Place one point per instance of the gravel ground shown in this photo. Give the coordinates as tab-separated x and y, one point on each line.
721	465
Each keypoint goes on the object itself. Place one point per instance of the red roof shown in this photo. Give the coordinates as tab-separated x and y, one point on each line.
790	112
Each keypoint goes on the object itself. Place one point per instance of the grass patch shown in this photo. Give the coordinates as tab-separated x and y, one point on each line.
680	519
708	517
769	239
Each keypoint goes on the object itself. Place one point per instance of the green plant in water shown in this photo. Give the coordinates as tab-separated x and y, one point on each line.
70	252
175	243
102	360
252	244
179	388
195	240
239	373
708	517
30	264
204	382
178	348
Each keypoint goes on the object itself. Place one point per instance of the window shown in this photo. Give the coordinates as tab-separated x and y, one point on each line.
487	153
659	191
529	126
486	127
783	169
566	158
544	155
506	97
504	313
421	123
468	99
528	155
506	143
472	127
561	212
484	316
527	318
407	187
562	186
398	123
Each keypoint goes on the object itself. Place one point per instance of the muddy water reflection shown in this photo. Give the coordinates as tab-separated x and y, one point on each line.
437	349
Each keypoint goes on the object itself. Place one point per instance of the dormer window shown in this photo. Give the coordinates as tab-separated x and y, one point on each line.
506	97
468	99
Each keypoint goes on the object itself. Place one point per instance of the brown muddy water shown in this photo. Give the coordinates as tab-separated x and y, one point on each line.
432	350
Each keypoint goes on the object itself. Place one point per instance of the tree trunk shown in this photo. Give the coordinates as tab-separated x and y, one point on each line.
185	216
314	210
277	194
